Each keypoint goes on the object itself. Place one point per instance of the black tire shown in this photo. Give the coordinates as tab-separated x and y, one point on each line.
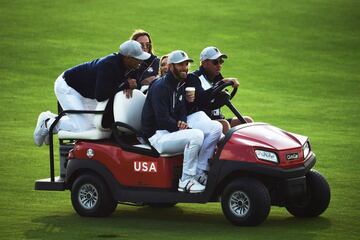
246	202
91	197
161	205
317	199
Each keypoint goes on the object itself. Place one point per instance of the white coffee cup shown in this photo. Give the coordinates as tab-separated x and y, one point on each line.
190	94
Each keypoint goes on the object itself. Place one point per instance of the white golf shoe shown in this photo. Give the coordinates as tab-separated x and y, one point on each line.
50	115
190	186
40	130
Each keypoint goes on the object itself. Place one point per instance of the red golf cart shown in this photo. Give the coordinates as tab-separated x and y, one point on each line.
256	165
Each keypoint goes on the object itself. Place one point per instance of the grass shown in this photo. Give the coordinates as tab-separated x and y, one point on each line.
298	66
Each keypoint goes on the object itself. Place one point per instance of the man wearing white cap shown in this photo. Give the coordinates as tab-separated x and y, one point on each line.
164	120
203	79
83	86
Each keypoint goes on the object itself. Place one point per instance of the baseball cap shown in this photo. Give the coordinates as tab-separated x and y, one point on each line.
178	56
211	53
133	49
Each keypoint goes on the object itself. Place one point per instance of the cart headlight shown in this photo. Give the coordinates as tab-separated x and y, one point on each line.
267	156
306	149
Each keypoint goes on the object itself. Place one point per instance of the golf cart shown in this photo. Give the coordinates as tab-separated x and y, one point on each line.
255	165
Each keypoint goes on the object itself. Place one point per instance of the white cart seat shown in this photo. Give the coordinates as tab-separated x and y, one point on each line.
128	110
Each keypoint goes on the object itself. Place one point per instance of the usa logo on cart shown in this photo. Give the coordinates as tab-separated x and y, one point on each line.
150	167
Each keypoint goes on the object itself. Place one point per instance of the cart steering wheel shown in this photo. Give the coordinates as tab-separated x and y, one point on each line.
217	89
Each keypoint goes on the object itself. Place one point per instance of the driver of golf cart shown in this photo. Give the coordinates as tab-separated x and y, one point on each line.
204	80
170	130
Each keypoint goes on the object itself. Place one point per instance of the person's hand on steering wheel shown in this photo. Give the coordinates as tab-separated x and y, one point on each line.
233	80
218	97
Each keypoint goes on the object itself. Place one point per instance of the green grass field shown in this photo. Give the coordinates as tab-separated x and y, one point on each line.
298	63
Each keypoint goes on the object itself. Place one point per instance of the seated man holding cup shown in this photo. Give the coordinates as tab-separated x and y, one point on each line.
165	122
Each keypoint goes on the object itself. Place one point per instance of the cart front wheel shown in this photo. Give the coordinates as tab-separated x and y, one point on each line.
246	202
316	200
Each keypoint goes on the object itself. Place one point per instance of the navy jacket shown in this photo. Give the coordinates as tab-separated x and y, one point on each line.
200	80
164	105
148	68
99	79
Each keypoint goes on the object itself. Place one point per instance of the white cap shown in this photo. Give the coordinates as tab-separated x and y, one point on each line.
133	49
211	53
178	56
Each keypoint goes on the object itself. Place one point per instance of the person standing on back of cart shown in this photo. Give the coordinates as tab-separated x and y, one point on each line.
207	76
83	86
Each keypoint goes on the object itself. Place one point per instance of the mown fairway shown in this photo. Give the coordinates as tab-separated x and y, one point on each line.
298	66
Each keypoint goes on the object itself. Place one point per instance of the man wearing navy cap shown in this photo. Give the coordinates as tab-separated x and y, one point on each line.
84	86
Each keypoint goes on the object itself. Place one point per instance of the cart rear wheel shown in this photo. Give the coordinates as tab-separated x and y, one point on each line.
90	197
246	202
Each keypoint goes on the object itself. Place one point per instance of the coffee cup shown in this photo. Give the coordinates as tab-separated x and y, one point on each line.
190	94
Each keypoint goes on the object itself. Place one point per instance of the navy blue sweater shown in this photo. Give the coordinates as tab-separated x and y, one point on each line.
202	96
164	105
99	79
148	68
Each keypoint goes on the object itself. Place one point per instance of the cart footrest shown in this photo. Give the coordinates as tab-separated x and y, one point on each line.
47	185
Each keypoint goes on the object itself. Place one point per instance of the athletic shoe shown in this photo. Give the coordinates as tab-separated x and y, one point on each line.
202	178
40	131
50	115
190	186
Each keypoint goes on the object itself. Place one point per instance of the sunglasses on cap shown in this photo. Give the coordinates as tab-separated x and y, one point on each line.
217	61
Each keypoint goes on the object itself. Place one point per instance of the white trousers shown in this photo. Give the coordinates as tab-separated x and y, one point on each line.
188	141
212	132
70	99
197	143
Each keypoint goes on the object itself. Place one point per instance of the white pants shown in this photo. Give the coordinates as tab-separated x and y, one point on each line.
188	141
70	99
212	132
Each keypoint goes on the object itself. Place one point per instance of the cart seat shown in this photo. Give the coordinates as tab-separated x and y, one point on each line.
92	134
128	111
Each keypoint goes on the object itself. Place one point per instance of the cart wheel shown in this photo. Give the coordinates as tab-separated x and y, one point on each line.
90	197
161	205
317	199
246	202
